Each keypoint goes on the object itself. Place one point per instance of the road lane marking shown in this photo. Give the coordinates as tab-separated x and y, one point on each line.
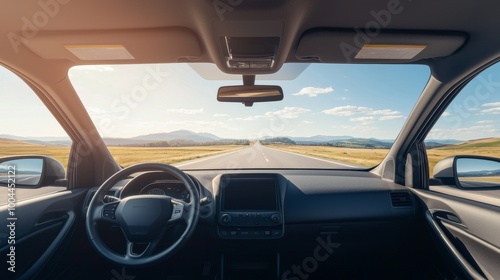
320	159
264	155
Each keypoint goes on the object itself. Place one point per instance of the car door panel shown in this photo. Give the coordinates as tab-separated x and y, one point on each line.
42	229
467	229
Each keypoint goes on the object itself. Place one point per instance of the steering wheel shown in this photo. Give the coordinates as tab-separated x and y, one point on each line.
142	218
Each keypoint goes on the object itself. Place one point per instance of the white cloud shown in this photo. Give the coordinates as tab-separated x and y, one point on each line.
485	121
220	115
307	122
493	111
446	114
362	119
385	112
345	111
367	114
494	104
388	118
287	113
185	111
474	128
471	132
250	118
313	91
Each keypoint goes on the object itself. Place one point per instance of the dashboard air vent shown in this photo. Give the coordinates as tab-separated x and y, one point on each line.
401	199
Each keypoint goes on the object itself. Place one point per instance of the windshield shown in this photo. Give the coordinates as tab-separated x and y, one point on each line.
332	116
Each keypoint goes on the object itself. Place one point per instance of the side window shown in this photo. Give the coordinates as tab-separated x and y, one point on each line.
466	139
34	149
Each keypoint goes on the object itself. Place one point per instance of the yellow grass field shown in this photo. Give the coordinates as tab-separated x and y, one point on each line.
371	157
125	156
361	157
10	147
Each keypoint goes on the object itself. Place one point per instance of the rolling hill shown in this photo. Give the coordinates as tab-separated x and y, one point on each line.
177	135
474	144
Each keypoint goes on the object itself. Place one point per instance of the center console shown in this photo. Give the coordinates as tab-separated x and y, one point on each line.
249	206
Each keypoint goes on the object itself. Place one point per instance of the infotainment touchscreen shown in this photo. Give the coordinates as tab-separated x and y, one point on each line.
255	194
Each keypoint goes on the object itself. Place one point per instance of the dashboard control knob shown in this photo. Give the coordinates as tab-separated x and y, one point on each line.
275	218
225	218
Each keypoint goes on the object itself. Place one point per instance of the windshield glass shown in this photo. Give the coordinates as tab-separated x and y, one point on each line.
333	116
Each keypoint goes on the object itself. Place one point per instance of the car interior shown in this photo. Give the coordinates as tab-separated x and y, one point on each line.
395	220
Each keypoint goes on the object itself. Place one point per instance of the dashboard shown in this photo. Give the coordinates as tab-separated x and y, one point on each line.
282	215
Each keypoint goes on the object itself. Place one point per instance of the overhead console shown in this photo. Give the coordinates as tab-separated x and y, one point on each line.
249	47
249	206
258	53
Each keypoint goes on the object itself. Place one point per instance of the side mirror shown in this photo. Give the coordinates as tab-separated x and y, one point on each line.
469	172
31	171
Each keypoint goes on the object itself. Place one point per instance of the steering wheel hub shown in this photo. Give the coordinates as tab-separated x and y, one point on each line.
142	218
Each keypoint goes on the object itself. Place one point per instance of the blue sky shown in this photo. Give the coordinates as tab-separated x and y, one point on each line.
354	100
360	101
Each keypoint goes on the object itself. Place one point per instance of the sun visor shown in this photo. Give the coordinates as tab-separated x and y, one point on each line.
351	46
118	46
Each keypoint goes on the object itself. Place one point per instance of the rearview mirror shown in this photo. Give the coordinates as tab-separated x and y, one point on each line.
249	94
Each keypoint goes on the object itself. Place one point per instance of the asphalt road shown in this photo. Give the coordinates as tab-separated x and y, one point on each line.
258	156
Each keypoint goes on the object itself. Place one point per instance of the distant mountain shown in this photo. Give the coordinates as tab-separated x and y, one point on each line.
124	142
436	143
480	173
46	141
445	141
493	143
319	138
178	135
